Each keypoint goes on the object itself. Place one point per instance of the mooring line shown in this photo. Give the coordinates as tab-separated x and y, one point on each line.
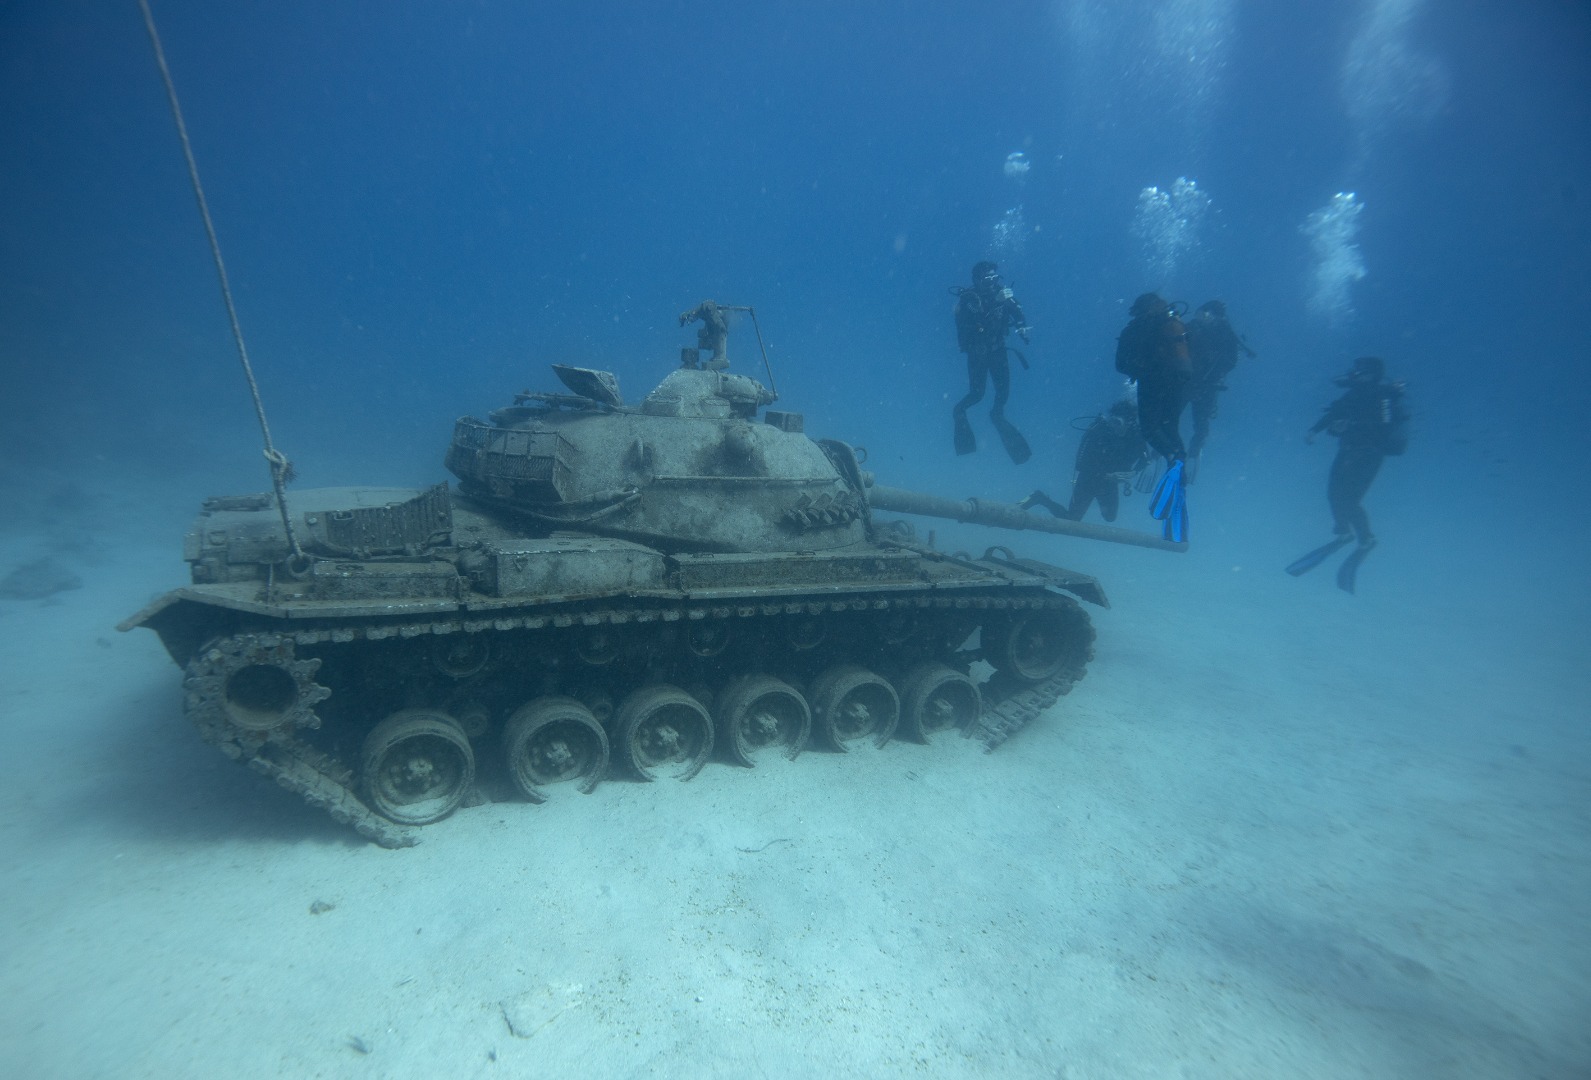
281	468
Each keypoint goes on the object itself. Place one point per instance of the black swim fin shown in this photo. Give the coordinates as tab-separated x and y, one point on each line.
1305	563
1015	444
966	441
1348	572
1166	491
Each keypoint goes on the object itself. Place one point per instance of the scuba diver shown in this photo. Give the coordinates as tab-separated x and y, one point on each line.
1213	347
1370	422
1111	452
985	313
1153	352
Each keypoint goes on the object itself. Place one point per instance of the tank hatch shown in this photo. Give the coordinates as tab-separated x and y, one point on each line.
599	386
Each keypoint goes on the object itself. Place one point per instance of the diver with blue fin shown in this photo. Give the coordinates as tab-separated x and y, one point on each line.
985	313
1371	423
1153	352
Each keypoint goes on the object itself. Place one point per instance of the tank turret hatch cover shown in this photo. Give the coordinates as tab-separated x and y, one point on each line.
599	386
714	395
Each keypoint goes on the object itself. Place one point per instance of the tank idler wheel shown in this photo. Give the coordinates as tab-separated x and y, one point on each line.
850	703
663	731
934	698
262	686
554	740
1033	646
418	766
759	714
243	692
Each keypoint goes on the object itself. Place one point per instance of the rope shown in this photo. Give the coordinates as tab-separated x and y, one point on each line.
766	366
281	468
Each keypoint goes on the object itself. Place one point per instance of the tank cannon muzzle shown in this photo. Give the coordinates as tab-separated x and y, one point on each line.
1001	515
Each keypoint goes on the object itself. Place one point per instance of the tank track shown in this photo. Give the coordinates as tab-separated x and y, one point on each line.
274	750
1011	711
260	724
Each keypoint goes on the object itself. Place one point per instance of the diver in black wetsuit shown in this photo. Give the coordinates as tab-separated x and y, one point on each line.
1213	348
985	313
1370	421
1111	451
1153	351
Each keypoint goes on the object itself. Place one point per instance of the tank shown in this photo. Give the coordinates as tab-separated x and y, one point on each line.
611	588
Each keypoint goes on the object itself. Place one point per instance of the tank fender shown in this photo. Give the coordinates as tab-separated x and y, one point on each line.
1083	586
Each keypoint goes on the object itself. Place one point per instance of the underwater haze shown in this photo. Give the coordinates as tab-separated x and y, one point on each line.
1278	830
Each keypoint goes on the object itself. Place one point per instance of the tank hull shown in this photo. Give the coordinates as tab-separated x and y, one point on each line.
428	667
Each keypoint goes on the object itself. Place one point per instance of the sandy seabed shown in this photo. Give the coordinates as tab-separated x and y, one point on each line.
1276	832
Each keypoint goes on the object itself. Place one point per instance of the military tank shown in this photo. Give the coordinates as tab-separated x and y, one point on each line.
611	587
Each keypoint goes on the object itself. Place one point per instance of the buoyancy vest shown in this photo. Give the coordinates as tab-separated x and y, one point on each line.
1153	345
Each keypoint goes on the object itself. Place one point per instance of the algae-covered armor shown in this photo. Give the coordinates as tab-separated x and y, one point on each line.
635	587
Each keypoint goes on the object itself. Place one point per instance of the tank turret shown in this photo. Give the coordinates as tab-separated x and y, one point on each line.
661	584
688	469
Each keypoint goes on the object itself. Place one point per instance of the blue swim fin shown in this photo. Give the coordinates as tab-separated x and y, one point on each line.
1177	519
1305	563
1166	491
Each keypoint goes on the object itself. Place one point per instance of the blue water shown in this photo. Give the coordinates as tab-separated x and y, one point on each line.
421	208
422	205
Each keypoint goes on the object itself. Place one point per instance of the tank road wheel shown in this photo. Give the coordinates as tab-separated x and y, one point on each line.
758	714
663	731
1037	645
551	741
851	703
935	698
417	766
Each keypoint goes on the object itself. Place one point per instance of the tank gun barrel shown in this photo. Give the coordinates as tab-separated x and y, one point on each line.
1006	516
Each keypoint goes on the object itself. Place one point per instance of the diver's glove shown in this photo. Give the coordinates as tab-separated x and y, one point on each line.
1025	332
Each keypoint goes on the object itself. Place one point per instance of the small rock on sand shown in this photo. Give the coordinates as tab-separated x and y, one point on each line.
528	1013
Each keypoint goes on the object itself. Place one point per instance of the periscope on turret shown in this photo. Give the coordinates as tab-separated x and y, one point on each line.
642	588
